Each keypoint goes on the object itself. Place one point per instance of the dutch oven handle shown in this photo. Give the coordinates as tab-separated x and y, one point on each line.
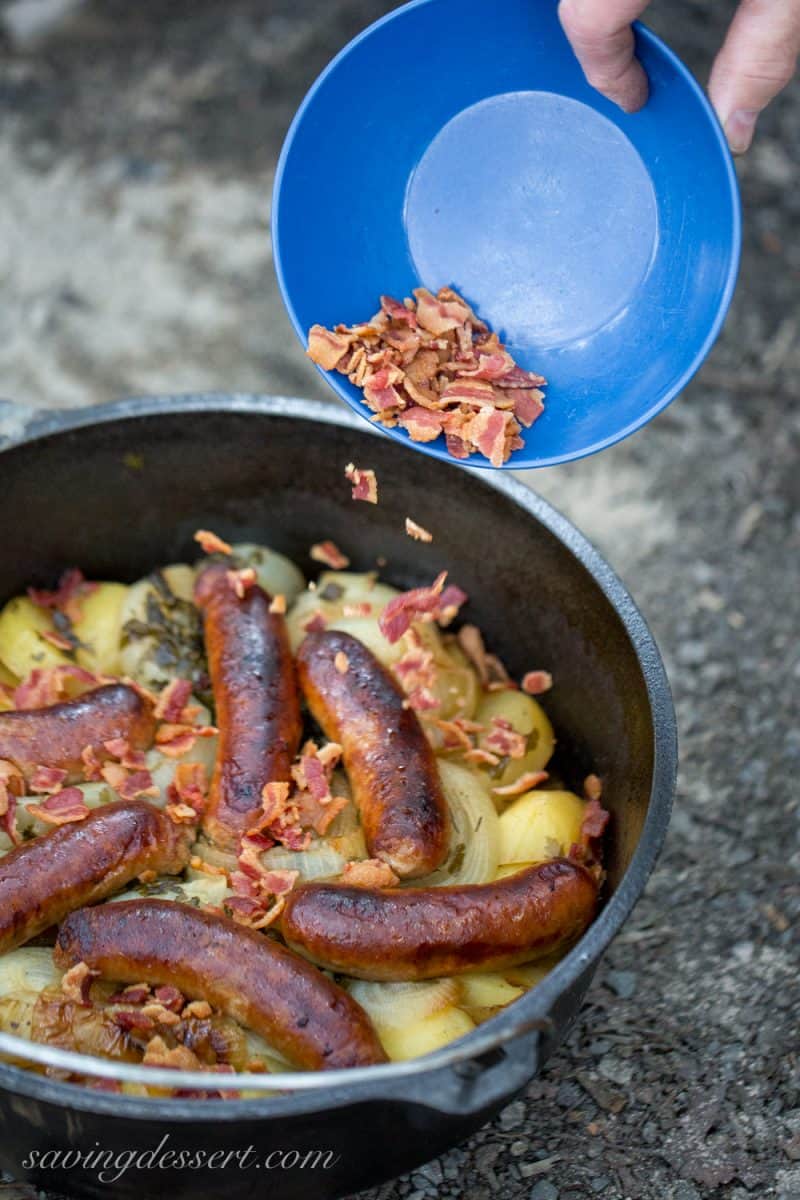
490	1075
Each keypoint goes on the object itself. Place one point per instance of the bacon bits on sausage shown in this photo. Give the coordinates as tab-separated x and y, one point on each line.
388	759
55	736
250	977
80	863
256	700
422	933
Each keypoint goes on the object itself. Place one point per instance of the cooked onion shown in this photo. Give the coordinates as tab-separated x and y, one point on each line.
202	890
391	1005
319	861
475	831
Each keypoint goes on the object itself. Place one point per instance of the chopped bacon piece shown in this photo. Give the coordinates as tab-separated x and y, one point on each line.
178	1058
59	640
438	315
416	604
326	348
67	597
595	819
421	424
417	532
177	740
398	311
364	481
181	814
592	787
329	553
47	685
200	1009
76	984
242	581
210	543
47	779
341	662
537	682
92	765
170	997
189	786
361	609
274	798
172	700
315	623
12	785
278	604
135	993
504	740
252	913
61	808
369	873
528	404
530	779
422	700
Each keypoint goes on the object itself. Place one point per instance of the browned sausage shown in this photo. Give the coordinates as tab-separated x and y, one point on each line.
43	880
421	933
55	736
391	766
256	700
250	977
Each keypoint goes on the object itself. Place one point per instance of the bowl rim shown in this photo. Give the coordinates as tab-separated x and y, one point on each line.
520	459
530	1012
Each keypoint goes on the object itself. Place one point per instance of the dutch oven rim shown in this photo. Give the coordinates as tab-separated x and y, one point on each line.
530	1012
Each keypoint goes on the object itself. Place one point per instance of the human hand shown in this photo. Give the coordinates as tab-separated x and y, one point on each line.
758	57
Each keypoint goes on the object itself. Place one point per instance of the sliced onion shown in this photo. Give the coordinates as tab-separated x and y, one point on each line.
28	969
475	830
214	855
202	890
391	1005
319	861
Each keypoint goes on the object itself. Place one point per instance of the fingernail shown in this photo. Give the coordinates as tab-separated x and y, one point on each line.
739	129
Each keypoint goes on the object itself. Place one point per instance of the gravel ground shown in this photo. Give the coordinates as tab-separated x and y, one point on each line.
136	152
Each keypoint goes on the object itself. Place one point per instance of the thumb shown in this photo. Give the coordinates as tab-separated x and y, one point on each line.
600	33
757	60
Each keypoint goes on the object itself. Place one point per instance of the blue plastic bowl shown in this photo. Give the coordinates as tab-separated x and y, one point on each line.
456	142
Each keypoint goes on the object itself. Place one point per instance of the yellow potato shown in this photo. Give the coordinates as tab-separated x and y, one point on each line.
526	717
421	1037
527	975
487	990
99	628
22	647
540	825
511	869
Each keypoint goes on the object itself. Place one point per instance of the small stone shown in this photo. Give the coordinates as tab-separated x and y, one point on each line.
513	1115
623	983
684	1191
599	1183
544	1190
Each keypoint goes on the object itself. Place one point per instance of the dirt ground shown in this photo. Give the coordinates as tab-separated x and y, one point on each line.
137	147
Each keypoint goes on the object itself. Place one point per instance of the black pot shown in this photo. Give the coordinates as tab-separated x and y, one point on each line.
121	488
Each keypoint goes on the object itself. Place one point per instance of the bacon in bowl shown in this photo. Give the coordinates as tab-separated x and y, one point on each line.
431	366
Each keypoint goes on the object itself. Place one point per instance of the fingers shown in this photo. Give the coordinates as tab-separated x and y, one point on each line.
757	60
601	36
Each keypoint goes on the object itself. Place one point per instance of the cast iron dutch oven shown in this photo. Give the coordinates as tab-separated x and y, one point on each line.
122	488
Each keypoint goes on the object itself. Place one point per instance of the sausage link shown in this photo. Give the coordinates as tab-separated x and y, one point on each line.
256	700
80	863
389	761
421	933
56	735
265	987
